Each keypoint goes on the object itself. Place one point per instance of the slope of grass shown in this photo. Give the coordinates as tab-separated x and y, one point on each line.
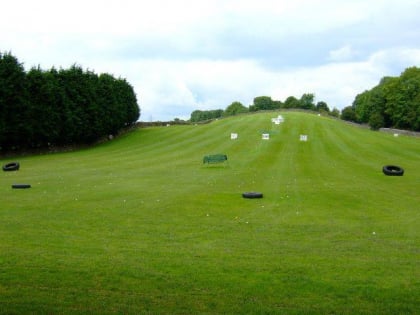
140	225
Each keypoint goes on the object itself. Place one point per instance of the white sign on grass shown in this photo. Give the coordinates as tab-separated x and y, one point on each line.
278	120
303	137
266	136
234	136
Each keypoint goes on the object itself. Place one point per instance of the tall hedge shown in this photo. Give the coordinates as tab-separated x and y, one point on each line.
60	107
13	102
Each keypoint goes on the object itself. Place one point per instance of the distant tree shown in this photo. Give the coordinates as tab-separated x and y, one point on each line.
307	101
394	102
196	116
291	102
203	115
235	108
262	103
403	99
361	106
278	104
348	114
376	121
322	107
369	103
335	113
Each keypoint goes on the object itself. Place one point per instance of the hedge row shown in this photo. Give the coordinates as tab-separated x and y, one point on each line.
60	107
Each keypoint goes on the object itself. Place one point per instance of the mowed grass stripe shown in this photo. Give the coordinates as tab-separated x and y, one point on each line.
140	225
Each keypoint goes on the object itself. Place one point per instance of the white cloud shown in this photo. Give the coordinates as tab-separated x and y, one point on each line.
208	84
342	54
395	60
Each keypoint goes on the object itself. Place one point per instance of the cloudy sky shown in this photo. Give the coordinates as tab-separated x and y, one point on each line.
183	55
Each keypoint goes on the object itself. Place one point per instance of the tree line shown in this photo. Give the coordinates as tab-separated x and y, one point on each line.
42	108
306	102
393	103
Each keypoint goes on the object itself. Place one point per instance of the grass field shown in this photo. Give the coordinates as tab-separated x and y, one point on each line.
139	225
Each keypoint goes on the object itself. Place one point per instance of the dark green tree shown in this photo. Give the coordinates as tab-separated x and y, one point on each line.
335	112
348	114
278	104
235	108
394	102
362	108
203	115
307	101
376	121
262	103
196	116
291	102
369	103
403	99
322	107
69	106
44	107
14	129
127	97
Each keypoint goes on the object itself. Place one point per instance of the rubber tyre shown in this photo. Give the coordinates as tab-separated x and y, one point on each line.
13	166
21	186
393	170
252	195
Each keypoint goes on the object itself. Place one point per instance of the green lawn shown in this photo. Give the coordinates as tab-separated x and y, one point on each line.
139	225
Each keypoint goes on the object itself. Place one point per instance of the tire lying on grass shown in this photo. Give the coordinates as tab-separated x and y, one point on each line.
21	186
393	170
13	166
252	195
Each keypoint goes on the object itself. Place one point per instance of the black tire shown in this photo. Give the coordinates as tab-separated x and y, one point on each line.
393	170
252	195
13	166
21	186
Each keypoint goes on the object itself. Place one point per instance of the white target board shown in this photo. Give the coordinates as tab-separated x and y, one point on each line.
234	136
266	136
278	120
303	137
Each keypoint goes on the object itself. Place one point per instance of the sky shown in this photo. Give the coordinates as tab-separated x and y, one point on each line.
186	55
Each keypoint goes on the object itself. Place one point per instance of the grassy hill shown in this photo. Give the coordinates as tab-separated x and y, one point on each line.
140	225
